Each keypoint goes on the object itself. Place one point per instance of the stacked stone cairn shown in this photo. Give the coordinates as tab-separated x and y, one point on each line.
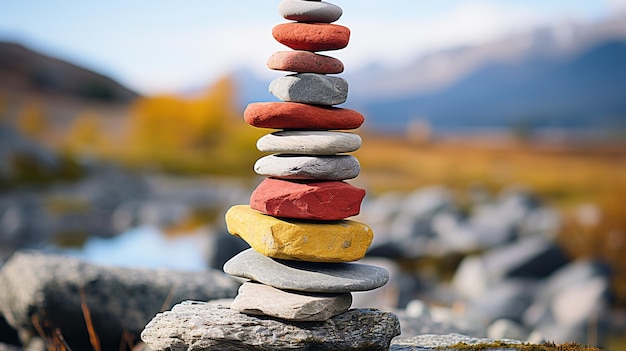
296	222
299	270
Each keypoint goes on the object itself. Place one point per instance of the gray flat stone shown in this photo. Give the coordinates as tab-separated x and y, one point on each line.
284	166
199	326
259	299
309	142
443	342
306	276
310	88
309	11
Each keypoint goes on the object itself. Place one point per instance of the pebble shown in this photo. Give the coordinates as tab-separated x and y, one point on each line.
199	326
323	201
304	62
336	241
309	11
312	36
309	142
310	88
259	299
291	115
284	166
306	276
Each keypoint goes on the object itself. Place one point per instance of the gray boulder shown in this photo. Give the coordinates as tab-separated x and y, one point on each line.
197	326
54	290
425	324
506	300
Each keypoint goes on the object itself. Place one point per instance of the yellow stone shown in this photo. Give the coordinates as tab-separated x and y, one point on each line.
337	241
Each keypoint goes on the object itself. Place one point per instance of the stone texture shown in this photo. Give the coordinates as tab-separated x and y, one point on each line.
310	88
119	299
340	241
197	326
326	201
431	342
284	166
259	299
312	36
306	276
291	115
304	62
309	142
309	11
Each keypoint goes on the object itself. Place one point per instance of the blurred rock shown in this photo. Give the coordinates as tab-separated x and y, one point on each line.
222	247
505	300
7	347
397	293
8	335
528	258
507	329
49	289
573	311
409	232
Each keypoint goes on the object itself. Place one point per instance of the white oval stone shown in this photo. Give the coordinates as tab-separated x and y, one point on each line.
309	11
283	166
309	142
310	88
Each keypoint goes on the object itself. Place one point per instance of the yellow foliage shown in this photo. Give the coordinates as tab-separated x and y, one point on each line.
201	134
31	122
85	134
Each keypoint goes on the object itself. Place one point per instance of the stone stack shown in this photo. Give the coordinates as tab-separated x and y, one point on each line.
298	213
300	266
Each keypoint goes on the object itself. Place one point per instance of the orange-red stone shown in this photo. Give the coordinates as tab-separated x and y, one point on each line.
323	201
292	115
304	62
312	36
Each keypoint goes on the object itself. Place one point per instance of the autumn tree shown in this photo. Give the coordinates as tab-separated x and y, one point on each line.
32	123
189	134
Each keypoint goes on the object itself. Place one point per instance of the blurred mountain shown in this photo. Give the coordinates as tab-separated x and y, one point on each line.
587	90
436	71
25	71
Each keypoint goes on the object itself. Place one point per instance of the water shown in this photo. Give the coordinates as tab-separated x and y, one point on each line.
147	247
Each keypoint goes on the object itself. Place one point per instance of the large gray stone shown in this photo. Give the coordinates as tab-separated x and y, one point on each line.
310	88
309	142
306	276
49	288
283	166
196	326
506	300
532	258
432	342
422	325
259	299
309	11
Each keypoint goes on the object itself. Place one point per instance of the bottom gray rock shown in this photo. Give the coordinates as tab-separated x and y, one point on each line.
200	326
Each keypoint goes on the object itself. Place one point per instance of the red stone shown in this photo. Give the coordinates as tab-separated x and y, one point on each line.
323	201
312	36
304	62
293	115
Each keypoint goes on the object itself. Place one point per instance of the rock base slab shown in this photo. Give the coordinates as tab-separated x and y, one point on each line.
199	326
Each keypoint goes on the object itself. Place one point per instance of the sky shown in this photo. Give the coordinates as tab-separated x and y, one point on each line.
164	46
